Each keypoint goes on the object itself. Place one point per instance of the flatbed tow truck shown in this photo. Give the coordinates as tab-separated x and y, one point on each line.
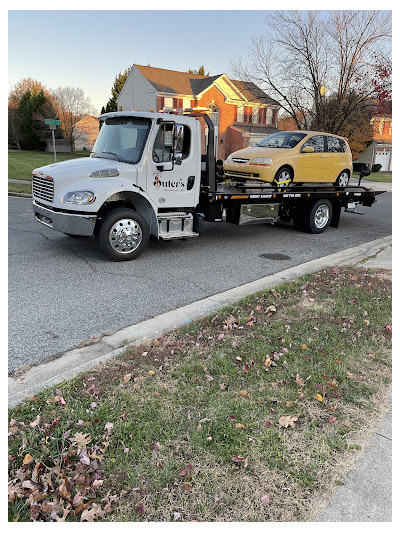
146	176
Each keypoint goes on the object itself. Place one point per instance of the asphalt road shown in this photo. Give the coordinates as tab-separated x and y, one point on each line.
62	291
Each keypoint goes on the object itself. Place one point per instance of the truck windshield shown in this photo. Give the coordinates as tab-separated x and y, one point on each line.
286	139
122	138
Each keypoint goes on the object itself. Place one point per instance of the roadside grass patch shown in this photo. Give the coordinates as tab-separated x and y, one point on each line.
22	162
384	177
251	414
20	187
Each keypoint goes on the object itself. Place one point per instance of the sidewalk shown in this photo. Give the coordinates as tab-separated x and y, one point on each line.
366	495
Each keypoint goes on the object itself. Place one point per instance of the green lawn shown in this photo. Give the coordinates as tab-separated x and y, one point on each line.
385	177
249	415
22	162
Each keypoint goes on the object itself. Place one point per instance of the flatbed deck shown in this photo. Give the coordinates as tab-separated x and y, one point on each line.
254	193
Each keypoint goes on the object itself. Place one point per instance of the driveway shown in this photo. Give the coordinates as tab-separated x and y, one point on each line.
63	292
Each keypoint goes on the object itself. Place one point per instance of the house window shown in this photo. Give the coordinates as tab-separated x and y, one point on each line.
254	115
169	102
187	103
268	116
240	114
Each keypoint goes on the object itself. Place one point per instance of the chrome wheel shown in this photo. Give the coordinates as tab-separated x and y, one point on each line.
343	179
284	176
125	236
321	216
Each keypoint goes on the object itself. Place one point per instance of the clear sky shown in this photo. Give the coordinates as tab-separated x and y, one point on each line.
88	49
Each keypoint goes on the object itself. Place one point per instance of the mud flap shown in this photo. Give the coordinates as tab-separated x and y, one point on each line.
336	209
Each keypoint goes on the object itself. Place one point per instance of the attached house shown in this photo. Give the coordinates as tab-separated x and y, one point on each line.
241	112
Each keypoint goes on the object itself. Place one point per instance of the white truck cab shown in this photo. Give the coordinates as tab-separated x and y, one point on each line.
142	178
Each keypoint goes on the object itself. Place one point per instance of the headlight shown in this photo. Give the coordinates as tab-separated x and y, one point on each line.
261	161
78	197
107	173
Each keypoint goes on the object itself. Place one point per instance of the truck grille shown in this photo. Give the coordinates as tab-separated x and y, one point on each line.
43	187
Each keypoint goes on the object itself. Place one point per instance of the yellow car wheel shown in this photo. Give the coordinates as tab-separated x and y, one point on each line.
283	177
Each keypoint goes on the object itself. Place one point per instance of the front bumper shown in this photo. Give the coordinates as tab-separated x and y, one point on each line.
70	223
249	172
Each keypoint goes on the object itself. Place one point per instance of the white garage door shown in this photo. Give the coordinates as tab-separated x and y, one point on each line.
382	157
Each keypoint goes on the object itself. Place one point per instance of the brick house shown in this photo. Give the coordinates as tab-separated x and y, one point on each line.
242	113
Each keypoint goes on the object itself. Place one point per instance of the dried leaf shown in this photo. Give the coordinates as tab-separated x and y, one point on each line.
35	422
81	440
109	427
265	499
319	397
238	459
127	377
286	421
243	393
240	426
27	459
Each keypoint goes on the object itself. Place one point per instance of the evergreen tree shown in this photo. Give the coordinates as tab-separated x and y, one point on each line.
31	121
116	89
200	71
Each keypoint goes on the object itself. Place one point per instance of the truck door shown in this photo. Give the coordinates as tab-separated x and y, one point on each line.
172	176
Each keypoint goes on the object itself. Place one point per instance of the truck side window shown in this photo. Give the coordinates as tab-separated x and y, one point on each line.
162	149
317	142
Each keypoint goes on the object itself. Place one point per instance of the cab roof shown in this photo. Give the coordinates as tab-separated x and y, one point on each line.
148	114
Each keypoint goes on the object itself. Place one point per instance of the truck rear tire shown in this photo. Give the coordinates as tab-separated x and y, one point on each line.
123	234
317	216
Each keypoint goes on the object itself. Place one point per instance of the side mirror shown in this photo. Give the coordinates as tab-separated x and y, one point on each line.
177	159
308	150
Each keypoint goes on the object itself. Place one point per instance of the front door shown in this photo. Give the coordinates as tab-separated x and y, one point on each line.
172	183
311	167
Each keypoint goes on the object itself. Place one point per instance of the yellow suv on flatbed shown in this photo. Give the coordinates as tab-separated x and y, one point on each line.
293	156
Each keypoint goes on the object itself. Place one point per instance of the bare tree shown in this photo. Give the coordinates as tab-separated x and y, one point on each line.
14	130
306	57
72	105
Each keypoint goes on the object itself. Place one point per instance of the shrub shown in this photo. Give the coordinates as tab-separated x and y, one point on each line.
376	167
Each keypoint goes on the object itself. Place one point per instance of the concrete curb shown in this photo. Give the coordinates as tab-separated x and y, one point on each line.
21	194
84	358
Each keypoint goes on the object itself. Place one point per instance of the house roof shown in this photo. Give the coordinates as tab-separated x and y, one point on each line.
175	82
253	93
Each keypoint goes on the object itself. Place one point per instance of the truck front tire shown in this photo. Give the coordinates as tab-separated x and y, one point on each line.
123	234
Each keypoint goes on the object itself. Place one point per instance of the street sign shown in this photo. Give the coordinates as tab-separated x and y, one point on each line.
52	123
